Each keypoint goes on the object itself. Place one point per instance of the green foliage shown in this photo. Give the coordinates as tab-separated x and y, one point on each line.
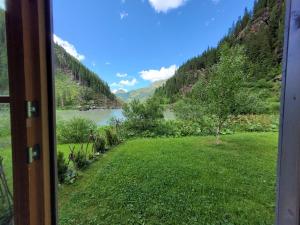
254	123
83	75
187	74
76	130
3	56
80	160
143	116
62	167
178	181
219	94
112	137
260	31
4	121
206	126
249	102
188	109
100	143
79	157
67	91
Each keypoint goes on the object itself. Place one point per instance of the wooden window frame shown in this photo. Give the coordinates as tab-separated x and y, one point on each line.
29	49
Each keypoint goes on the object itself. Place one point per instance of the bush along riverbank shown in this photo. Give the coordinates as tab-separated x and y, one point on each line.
82	144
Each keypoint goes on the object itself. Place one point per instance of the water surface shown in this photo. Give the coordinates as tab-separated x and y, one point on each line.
100	116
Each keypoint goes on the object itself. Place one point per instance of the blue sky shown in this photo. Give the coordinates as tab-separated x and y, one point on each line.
131	43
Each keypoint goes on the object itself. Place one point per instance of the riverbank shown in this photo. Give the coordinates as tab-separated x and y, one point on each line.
101	117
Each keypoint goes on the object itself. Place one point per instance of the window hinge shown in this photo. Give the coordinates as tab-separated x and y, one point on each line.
34	153
32	109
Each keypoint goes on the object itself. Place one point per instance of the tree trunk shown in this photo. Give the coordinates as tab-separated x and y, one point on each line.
62	102
218	139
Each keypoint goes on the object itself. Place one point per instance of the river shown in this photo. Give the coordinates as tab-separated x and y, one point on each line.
100	116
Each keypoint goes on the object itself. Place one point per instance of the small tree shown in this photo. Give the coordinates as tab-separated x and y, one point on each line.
143	116
218	93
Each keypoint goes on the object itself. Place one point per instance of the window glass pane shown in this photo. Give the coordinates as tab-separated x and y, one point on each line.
6	180
196	140
4	90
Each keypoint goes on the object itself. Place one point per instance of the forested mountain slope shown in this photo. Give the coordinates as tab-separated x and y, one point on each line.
260	31
76	85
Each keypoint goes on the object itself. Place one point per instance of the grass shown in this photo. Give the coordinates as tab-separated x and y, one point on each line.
177	181
6	154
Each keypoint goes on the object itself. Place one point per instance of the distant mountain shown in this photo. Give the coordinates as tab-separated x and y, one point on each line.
260	31
76	85
142	94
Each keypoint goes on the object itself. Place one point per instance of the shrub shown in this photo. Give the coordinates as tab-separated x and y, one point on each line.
254	123
77	130
111	137
4	121
79	158
182	128
100	144
143	116
188	109
62	167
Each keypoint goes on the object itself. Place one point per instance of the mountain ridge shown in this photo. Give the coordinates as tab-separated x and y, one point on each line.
260	31
142	93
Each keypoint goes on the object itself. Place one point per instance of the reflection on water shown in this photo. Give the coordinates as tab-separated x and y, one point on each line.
100	116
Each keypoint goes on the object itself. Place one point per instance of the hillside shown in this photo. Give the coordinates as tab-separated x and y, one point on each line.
260	31
76	85
142	94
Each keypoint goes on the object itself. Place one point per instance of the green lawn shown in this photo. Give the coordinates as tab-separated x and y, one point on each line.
177	181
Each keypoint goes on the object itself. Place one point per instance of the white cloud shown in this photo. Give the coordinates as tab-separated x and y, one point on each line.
68	47
123	15
121	75
123	1
128	82
166	5
156	75
107	63
93	64
124	83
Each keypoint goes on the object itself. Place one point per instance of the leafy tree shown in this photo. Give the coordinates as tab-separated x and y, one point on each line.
260	31
143	116
81	74
218	94
189	109
67	91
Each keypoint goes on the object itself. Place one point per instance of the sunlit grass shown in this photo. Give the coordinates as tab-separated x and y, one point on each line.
177	181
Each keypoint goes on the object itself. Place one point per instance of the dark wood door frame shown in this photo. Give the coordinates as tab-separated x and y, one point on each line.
29	44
